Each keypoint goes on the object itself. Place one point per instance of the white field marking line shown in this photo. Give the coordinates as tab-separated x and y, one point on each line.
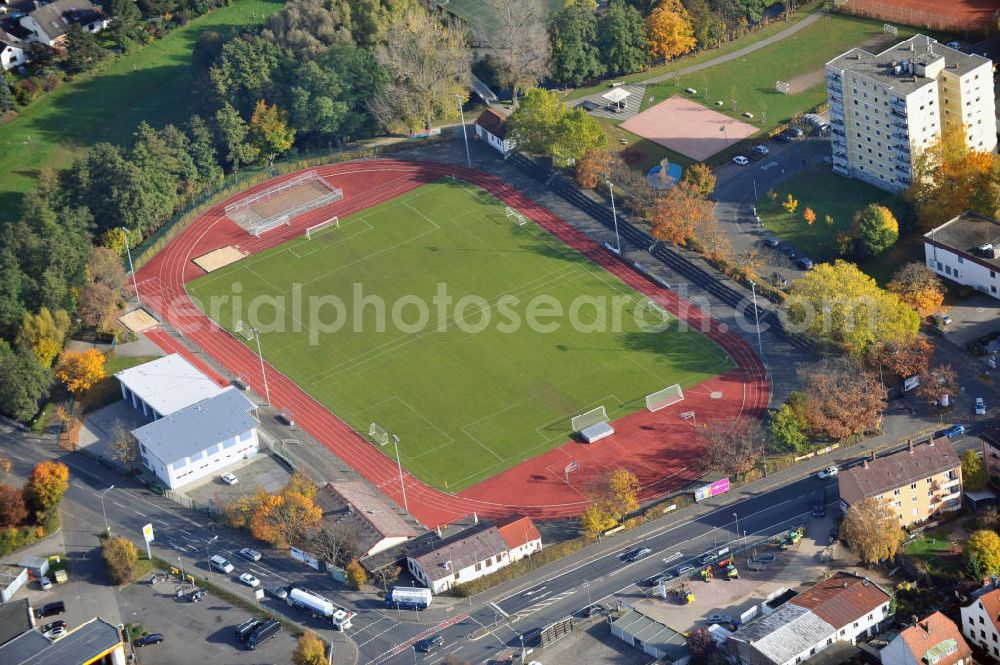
649	536
341	237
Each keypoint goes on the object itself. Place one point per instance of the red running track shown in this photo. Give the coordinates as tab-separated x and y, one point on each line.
660	447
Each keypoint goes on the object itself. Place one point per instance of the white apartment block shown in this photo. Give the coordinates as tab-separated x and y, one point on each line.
887	107
966	250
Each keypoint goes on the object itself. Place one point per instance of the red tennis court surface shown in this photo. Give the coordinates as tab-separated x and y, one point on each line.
661	448
954	15
689	128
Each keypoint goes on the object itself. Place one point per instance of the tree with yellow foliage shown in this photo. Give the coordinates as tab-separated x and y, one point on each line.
80	370
919	287
624	486
596	519
43	334
121	556
356	575
269	130
284	519
669	31
949	178
47	484
791	204
309	650
809	215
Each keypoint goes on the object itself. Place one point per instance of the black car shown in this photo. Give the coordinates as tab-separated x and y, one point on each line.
805	263
146	640
636	554
51	609
429	644
772	242
279	592
787	250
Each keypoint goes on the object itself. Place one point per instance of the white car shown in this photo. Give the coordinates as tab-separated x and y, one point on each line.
45	583
250	580
828	472
741	160
250	553
229	478
980	407
760	149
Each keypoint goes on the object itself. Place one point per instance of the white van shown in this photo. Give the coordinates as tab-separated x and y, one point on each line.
221	564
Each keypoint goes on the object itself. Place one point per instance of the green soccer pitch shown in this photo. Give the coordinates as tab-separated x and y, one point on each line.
470	393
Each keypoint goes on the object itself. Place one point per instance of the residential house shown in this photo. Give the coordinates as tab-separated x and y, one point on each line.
522	537
918	483
935	640
92	642
841	608
199	440
886	108
981	621
491	126
965	250
49	23
12	51
470	554
164	386
354	505
654	638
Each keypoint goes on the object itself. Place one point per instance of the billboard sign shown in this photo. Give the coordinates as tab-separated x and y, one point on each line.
147	532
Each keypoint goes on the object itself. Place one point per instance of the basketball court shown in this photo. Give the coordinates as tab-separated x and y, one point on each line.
689	128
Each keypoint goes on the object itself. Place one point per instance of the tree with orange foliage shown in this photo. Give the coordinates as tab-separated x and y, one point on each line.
80	370
903	358
937	382
809	215
593	168
919	287
841	399
677	214
47	484
285	519
669	31
950	178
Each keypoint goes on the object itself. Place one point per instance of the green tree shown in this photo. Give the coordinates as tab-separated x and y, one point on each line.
356	575
786	429
974	475
125	18
838	305
534	124
243	69
11	308
6	97
309	650
121	557
701	179
201	148
82	49
982	552
877	228
269	131
43	334
576	133
232	130
621	38
707	26
575	54
871	530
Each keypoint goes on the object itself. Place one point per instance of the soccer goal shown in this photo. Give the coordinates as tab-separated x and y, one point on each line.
378	435
516	216
333	221
592	417
657	311
661	399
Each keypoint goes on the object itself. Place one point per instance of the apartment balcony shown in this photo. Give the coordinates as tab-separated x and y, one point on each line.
901	136
901	169
839	168
837	132
837	121
834	99
835	88
946	484
898	113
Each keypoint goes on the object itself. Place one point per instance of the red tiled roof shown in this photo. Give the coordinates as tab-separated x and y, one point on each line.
842	599
518	531
493	121
930	632
896	470
991	603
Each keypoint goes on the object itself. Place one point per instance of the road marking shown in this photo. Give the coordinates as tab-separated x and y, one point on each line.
16	456
769	165
500	611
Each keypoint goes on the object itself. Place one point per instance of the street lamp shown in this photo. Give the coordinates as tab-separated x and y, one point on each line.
208	559
399	465
240	327
180	565
131	268
737	529
614	213
756	316
465	135
107	527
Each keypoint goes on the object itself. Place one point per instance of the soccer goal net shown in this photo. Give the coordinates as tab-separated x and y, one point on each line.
656	311
378	435
516	216
333	221
588	419
661	399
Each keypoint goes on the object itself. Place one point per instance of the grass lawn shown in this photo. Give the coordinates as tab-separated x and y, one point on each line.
827	194
702	56
935	550
470	388
799	59
152	84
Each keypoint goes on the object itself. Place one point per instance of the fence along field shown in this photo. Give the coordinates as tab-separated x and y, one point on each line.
465	405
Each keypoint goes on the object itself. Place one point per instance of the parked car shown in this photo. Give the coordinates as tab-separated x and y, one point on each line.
787	249
980	407
429	644
198	595
250	580
657	580
805	263
636	554
941	320
593	610
45	583
686	568
741	160
147	640
953	44
708	558
951	432
279	592
760	149
828	472
719	618
54	630
51	609
772	242
229	478
250	554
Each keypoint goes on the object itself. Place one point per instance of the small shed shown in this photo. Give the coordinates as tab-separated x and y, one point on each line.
37	566
652	637
491	126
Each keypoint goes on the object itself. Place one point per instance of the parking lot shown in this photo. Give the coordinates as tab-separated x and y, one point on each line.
259	471
202	632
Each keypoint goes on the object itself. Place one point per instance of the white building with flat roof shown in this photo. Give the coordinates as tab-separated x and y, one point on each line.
887	107
966	250
199	440
165	385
